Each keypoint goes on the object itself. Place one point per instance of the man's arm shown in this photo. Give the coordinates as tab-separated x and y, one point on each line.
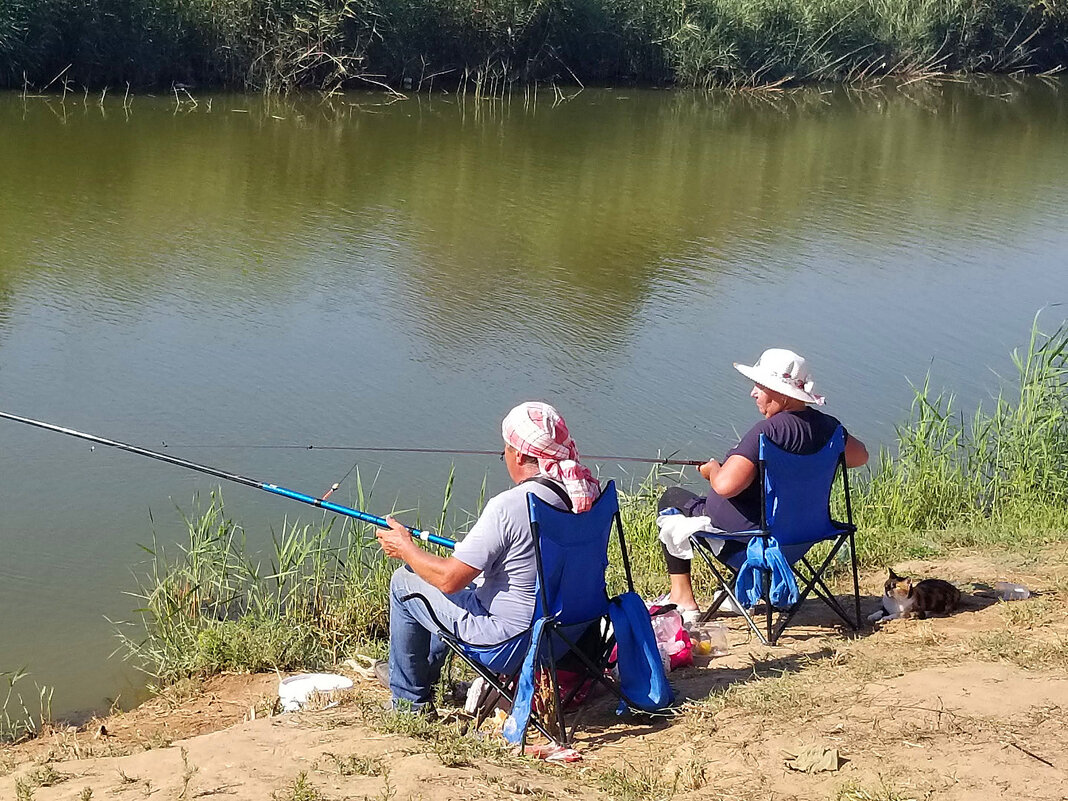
448	574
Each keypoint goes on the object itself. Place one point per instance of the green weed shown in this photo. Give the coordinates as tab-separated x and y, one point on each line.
357	765
301	789
884	792
17	721
46	776
635	783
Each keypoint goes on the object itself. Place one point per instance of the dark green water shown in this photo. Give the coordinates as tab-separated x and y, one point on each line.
362	273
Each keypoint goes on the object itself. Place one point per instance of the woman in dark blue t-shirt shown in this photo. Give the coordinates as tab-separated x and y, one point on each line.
782	390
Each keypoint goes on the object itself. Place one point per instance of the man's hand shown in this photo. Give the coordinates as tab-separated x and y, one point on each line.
395	540
448	574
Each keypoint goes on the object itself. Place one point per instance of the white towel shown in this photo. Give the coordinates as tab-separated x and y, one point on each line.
675	531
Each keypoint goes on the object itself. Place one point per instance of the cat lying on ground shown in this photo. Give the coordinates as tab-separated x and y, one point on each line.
903	599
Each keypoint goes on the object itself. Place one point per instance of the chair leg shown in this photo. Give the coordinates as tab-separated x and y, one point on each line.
765	576
856	579
557	712
814	582
823	592
725	587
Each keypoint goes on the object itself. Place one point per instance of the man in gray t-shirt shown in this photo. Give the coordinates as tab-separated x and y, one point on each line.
485	591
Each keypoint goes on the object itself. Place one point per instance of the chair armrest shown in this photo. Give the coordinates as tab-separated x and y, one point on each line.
429	610
450	635
730	535
852	529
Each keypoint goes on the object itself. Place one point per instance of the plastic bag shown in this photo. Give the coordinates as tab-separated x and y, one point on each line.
672	640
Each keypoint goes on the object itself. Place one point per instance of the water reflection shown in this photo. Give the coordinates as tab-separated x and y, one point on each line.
508	221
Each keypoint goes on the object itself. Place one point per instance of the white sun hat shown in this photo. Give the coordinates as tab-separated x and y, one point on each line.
782	370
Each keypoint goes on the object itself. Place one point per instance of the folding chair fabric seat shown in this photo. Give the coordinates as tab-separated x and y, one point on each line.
572	558
796	512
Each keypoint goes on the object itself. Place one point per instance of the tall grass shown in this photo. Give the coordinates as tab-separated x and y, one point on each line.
1005	466
17	719
318	593
281	44
219	605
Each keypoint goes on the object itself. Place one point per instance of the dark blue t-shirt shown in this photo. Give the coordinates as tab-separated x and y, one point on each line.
801	432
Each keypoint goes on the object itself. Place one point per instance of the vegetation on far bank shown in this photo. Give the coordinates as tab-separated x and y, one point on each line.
488	44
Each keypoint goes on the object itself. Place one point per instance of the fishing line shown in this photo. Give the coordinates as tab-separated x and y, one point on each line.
337	484
457	451
274	489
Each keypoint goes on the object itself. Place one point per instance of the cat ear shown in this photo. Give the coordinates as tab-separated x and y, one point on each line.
894	576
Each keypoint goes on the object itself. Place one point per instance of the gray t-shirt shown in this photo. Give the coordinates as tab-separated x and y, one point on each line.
501	546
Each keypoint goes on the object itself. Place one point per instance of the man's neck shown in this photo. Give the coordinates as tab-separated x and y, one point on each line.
527	472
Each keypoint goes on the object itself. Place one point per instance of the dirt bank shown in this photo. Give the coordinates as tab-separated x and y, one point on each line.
946	708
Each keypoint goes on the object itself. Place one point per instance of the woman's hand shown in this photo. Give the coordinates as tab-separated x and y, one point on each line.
395	540
709	469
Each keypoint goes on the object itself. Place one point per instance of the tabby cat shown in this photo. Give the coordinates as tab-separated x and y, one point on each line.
903	599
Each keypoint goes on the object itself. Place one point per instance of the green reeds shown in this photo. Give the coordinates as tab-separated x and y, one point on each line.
1003	469
316	595
17	720
218	606
277	45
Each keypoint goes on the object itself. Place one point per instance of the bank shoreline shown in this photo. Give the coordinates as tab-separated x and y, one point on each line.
999	670
490	46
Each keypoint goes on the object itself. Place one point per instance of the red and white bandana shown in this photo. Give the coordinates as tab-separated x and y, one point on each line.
537	429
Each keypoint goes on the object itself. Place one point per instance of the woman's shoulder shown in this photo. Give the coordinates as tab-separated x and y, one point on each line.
802	425
822	418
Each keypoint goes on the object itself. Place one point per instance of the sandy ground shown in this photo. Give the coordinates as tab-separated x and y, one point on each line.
949	708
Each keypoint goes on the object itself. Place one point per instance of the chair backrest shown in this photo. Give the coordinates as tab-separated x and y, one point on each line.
572	553
797	492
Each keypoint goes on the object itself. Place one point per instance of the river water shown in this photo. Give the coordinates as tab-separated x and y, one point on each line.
241	273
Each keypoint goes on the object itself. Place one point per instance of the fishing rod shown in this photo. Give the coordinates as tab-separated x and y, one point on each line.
274	489
368	448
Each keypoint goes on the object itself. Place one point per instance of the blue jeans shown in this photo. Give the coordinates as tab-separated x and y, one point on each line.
416	653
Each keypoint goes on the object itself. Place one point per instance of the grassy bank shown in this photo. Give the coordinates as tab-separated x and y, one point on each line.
281	44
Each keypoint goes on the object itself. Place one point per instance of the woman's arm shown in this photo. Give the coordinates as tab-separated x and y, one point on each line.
856	455
733	476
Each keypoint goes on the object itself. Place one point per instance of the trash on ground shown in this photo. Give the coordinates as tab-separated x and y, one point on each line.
294	691
709	639
553	753
813	759
361	664
1007	591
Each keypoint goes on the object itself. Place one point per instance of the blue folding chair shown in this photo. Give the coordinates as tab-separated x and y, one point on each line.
795	514
570	617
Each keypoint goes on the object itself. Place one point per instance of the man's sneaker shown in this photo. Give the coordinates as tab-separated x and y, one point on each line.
381	670
407	708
